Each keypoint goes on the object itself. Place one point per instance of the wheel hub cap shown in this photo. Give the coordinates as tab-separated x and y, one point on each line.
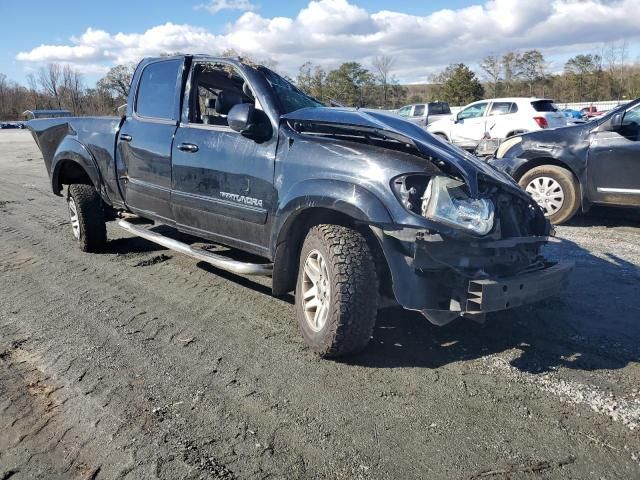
547	193
73	217
316	291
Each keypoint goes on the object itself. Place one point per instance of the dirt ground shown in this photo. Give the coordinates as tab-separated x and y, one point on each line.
141	363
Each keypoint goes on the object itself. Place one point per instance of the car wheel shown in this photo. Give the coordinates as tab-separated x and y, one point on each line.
86	217
555	189
337	291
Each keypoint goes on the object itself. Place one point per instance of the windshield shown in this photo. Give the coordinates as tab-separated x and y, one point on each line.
291	98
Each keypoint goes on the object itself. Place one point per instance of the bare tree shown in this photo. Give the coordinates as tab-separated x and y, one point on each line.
492	67
117	81
532	65
33	91
73	86
511	69
383	65
49	78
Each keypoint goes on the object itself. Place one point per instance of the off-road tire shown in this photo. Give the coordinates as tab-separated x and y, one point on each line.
353	302
568	183
93	229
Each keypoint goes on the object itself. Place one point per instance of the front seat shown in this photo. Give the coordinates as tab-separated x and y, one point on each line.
226	100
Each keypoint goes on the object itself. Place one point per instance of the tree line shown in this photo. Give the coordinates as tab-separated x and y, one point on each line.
587	77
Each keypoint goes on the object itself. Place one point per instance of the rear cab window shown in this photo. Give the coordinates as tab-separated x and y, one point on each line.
544	106
156	97
439	108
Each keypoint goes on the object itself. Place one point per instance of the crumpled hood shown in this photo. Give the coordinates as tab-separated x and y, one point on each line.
395	127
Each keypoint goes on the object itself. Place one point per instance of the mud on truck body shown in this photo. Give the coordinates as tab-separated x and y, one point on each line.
345	206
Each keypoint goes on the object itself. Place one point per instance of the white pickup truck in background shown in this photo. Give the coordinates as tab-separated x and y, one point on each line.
497	118
425	113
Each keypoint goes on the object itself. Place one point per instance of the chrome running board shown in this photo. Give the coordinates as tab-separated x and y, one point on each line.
218	261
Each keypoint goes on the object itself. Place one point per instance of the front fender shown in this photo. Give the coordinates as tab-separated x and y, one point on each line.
70	150
347	198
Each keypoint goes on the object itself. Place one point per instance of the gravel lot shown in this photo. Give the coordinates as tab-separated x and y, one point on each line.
141	363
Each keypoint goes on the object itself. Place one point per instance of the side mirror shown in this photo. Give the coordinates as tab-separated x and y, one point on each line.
249	121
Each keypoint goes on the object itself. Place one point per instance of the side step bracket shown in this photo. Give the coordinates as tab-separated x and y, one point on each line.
218	261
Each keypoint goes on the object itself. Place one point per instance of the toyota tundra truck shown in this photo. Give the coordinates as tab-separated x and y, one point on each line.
343	206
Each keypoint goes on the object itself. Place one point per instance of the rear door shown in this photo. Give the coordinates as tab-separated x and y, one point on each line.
146	137
222	181
613	163
501	119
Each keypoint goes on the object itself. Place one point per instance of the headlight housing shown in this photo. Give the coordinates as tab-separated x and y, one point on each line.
445	202
507	145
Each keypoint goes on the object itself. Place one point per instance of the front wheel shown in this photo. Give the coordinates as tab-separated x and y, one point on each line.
555	189
86	217
337	291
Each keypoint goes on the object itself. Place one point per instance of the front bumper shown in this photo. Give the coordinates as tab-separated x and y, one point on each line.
490	295
444	280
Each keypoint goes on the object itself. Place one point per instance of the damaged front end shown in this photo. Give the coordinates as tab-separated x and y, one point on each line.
479	255
466	240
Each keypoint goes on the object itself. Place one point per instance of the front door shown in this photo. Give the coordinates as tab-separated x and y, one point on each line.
145	140
613	163
222	181
469	127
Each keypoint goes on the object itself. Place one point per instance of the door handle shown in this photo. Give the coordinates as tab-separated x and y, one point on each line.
188	147
125	137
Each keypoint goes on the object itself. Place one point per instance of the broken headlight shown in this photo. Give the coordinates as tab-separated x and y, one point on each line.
446	202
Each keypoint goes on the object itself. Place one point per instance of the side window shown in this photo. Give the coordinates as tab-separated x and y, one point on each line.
404	111
502	108
630	127
215	89
418	111
157	90
473	111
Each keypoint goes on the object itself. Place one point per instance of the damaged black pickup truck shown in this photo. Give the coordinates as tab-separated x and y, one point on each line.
345	206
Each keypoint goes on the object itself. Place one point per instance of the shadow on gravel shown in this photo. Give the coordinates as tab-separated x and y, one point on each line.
594	325
607	217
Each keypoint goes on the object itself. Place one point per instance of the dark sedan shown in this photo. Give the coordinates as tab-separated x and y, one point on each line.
569	168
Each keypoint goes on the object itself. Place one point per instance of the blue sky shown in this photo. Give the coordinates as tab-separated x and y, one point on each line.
423	35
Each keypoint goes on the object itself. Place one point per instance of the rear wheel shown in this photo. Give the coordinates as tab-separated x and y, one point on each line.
86	217
555	189
337	291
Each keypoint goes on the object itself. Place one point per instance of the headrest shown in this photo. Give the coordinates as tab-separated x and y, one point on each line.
210	103
227	99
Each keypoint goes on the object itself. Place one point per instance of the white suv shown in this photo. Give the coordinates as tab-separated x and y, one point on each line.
497	118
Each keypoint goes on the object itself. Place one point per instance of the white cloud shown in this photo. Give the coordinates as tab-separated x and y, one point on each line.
328	32
215	6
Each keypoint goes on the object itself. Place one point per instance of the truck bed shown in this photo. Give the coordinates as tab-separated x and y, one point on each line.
60	137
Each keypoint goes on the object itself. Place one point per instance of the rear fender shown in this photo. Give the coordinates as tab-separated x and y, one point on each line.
70	150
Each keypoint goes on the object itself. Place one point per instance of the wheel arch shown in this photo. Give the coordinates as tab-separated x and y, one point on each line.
294	230
540	161
72	163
